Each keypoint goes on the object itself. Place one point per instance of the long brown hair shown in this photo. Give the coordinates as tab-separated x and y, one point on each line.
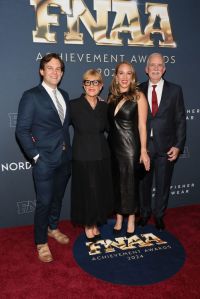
114	91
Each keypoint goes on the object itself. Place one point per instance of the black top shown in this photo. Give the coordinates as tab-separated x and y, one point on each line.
123	133
89	142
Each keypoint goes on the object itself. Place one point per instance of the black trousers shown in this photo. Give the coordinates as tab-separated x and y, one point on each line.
50	184
161	169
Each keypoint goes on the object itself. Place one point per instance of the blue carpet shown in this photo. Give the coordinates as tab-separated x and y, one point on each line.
147	257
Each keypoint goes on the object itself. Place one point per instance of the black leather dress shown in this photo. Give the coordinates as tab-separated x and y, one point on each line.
124	143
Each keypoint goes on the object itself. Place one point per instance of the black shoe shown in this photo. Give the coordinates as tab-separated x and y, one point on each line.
98	237
92	239
128	235
116	232
143	221
160	225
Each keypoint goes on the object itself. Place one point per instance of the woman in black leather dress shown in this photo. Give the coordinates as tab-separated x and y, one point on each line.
127	113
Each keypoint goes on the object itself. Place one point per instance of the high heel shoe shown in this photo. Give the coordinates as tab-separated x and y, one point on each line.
92	239
98	236
128	234
118	223
116	231
96	233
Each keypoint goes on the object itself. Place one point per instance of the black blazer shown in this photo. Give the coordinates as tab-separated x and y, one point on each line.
89	142
169	123
39	129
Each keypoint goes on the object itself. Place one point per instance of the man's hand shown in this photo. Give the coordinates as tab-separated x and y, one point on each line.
173	153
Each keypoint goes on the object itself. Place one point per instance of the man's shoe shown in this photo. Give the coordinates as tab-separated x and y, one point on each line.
58	236
44	253
142	221
160	225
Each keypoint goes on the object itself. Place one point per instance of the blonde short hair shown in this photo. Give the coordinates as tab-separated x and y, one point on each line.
93	72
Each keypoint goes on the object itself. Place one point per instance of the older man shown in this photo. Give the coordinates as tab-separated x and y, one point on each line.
166	126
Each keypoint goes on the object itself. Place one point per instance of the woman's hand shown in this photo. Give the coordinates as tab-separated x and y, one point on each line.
144	158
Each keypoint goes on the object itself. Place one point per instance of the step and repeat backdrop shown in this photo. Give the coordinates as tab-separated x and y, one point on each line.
93	34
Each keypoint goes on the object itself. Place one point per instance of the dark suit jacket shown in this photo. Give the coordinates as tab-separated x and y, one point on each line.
169	123
39	128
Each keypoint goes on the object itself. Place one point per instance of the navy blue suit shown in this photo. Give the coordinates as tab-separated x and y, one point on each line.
169	130
40	131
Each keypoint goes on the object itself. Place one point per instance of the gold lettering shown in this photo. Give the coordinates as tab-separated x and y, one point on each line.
126	20
158	12
126	10
44	20
135	240
121	243
151	238
93	248
97	29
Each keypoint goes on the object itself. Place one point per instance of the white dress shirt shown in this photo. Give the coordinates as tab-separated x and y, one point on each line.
58	94
159	89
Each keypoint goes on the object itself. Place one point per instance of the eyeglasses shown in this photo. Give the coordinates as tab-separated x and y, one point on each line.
88	82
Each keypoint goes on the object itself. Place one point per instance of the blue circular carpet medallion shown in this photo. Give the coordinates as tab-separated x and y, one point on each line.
147	257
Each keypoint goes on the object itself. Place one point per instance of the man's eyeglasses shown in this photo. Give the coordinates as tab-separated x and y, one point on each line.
88	82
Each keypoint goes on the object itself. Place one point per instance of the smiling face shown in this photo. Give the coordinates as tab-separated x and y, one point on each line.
155	68
52	73
124	77
92	86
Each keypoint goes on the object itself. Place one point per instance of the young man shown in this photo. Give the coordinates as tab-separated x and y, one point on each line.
42	130
166	133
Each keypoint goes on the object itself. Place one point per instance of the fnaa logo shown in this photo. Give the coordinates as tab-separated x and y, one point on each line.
12	119
186	153
122	244
146	257
26	207
122	16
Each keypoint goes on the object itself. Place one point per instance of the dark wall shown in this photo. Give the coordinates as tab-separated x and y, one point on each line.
93	34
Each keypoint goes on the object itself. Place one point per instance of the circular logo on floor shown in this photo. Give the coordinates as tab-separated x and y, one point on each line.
147	257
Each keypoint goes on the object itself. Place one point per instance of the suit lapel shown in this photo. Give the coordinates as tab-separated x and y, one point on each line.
48	99
164	98
145	91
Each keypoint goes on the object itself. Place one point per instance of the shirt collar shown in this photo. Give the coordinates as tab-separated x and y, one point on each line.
159	83
49	89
